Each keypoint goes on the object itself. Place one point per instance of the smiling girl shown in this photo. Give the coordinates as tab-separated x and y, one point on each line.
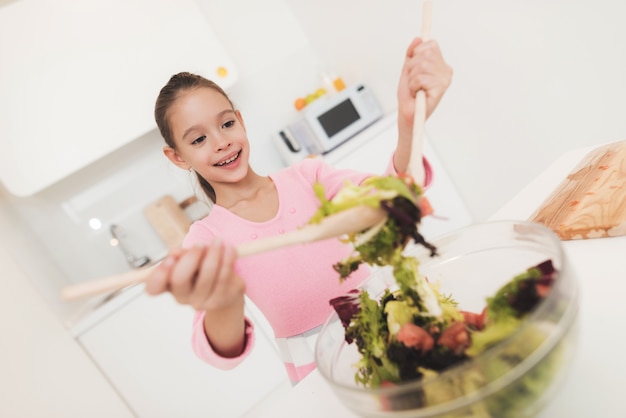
292	286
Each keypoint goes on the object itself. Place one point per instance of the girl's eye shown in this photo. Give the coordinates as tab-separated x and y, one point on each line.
199	140
228	124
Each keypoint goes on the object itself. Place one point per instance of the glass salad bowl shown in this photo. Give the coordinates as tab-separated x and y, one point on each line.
515	377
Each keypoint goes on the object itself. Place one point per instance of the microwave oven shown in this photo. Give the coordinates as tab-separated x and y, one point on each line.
327	122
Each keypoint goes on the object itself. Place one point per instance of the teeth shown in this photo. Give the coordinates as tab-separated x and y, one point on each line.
230	160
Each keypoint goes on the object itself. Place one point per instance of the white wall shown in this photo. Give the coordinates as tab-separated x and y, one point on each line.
532	78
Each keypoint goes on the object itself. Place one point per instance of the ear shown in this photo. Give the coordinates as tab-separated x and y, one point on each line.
175	158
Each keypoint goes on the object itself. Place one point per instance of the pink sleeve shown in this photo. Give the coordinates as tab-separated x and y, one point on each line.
205	352
428	171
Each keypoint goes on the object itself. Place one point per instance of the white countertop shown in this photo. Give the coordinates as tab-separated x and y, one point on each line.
597	376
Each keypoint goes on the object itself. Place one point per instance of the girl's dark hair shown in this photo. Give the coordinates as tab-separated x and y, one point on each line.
177	84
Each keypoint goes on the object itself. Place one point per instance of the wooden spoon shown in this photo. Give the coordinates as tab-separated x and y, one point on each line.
416	166
349	221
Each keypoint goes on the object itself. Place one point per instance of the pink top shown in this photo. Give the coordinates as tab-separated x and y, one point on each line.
291	286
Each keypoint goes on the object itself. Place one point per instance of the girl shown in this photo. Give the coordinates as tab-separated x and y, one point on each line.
291	286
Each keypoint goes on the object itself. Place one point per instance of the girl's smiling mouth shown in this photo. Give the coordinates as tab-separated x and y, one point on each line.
229	160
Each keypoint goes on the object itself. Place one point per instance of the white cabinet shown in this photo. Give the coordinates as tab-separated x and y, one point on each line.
371	151
43	371
144	349
79	79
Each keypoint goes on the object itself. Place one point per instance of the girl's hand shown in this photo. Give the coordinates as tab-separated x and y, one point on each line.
202	277
424	69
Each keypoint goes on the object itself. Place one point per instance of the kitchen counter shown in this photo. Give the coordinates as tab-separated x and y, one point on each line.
595	380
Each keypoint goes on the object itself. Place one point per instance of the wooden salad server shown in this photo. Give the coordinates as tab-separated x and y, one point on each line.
416	166
349	221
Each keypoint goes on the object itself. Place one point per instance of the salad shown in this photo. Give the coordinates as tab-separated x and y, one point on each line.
413	331
401	339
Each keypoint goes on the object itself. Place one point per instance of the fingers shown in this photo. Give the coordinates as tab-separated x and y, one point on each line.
424	69
209	271
217	285
202	276
411	49
176	273
158	282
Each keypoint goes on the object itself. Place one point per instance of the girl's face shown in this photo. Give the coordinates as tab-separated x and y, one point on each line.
210	136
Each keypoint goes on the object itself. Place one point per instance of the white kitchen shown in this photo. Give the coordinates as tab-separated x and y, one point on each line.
536	85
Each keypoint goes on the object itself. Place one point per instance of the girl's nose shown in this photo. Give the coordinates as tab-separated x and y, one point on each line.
222	145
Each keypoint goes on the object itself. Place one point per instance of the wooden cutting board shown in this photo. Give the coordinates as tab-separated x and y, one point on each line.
169	220
591	201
